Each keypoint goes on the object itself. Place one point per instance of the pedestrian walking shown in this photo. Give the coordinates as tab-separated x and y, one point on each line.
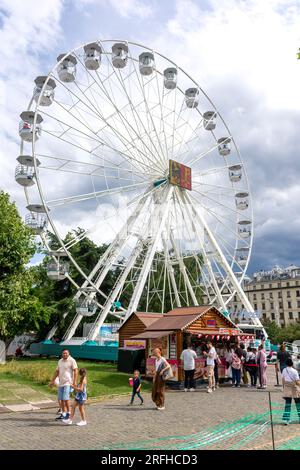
136	387
236	366
188	357
67	372
291	390
282	357
80	399
261	359
159	386
210	365
228	359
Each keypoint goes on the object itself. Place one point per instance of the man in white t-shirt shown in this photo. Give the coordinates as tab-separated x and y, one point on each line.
210	363
188	357
67	372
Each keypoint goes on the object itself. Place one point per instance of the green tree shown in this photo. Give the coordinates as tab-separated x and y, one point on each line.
20	310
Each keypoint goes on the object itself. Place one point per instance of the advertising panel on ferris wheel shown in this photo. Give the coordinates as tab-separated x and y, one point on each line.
180	175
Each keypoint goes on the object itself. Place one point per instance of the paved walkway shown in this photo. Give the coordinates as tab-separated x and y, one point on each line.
191	420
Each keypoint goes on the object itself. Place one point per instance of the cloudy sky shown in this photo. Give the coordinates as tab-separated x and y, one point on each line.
242	53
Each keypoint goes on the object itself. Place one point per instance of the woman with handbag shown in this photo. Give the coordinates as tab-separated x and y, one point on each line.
163	371
291	390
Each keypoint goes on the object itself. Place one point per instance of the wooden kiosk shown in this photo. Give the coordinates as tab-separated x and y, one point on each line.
196	325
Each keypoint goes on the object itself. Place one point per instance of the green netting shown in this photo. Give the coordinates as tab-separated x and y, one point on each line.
231	435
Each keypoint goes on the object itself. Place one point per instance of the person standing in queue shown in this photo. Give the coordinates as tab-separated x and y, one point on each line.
188	357
210	365
159	386
261	359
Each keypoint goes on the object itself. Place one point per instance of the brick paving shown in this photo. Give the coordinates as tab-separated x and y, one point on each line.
112	424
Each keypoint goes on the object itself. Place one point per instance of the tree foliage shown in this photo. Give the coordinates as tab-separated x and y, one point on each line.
20	310
278	334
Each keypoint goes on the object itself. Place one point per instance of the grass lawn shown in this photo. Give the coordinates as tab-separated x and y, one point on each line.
21	376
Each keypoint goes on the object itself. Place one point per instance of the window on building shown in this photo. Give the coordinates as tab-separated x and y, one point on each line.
279	295
297	293
272	304
271	295
291	315
298	303
262	286
287	284
263	296
235	298
297	283
280	305
255	306
288	293
282	316
263	306
270	286
264	316
289	304
273	315
254	296
298	315
278	284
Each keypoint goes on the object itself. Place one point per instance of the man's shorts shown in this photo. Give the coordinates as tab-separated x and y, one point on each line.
64	393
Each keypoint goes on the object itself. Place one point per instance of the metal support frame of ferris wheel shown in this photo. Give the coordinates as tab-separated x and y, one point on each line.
106	260
109	257
115	291
200	219
160	214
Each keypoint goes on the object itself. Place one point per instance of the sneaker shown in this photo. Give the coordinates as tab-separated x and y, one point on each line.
161	408
238	386
209	390
141	403
248	386
129	404
217	386
60	417
81	423
232	386
67	421
185	389
192	389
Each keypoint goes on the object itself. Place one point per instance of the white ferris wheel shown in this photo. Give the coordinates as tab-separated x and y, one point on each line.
119	140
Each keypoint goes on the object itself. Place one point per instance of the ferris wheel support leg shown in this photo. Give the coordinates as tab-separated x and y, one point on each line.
225	264
115	292
183	270
172	277
108	258
162	215
205	257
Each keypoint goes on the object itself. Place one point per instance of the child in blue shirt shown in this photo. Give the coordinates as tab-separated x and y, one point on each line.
136	387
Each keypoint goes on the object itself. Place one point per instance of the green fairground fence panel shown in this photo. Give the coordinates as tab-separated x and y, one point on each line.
251	431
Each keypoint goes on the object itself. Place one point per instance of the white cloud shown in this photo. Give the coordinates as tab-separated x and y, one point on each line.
27	34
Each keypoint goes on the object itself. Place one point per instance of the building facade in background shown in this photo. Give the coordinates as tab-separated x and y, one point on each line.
274	295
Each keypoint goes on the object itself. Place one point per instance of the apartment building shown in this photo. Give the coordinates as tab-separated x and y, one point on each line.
274	294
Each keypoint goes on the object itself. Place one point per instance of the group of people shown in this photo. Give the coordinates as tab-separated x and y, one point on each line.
240	360
239	363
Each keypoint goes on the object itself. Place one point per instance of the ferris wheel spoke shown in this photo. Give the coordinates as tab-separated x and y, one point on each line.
137	119
218	186
215	201
99	115
87	196
149	114
125	122
202	155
